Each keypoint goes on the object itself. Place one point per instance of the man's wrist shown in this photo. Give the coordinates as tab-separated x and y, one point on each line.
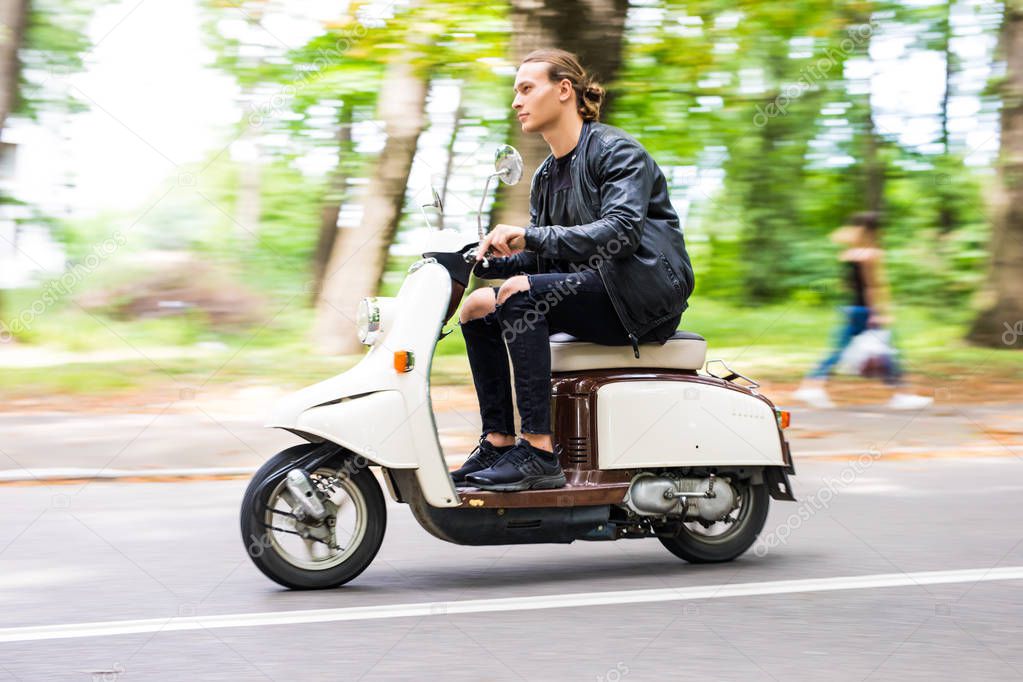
533	239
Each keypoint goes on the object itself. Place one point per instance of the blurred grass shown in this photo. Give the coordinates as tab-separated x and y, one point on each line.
777	343
782	342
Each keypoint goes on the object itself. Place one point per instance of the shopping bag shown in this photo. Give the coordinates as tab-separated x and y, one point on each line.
869	354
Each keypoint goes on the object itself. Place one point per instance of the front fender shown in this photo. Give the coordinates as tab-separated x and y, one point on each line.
377	412
382	428
362	379
374	426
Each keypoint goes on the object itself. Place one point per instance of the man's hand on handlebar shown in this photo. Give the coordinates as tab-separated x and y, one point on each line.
503	240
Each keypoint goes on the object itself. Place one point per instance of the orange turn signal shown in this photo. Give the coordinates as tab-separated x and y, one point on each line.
784	418
404	361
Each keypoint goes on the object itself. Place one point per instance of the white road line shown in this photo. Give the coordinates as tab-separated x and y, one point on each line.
241	620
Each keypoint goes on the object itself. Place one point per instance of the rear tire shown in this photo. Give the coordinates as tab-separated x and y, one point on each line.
703	548
359	496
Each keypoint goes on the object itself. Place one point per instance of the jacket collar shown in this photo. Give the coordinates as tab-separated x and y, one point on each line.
580	146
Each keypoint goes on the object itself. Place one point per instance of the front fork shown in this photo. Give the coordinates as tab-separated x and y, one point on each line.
312	509
305	495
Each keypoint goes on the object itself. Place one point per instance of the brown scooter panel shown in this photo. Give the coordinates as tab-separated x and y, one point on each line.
574	416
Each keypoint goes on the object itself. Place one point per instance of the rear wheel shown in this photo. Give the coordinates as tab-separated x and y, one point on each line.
704	542
306	554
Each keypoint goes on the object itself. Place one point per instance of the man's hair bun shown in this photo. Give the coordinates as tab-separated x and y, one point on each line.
589	95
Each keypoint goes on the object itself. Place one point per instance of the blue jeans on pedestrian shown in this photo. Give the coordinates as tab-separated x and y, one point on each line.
856	322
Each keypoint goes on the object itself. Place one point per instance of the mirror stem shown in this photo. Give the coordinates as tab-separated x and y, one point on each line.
483	200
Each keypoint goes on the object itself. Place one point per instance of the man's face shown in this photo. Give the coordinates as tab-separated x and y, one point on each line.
538	102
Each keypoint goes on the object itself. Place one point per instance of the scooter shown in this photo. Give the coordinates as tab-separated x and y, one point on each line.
651	447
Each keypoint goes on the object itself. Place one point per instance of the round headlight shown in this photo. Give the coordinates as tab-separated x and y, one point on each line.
367	320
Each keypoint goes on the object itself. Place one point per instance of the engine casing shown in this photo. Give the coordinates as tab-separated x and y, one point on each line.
652	495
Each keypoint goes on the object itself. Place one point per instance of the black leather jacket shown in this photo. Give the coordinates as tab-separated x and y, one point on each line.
629	231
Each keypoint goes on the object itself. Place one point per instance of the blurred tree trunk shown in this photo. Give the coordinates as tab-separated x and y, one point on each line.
247	206
1001	323
12	31
874	171
359	255
945	27
767	165
337	190
593	29
248	202
948	219
873	166
449	164
12	13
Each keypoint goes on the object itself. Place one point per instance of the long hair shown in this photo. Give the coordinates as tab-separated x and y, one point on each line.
589	95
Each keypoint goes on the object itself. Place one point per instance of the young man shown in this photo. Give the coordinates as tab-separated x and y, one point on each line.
602	259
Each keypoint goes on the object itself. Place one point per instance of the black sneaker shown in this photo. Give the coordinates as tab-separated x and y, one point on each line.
485	455
523	467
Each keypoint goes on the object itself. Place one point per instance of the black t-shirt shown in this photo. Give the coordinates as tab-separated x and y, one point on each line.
561	173
560	179
857	283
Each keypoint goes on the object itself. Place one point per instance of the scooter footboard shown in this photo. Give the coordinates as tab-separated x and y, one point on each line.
505	526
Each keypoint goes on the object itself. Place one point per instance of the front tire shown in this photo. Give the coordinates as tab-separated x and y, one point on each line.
697	543
335	550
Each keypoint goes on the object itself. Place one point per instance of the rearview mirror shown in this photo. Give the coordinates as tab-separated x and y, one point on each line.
508	164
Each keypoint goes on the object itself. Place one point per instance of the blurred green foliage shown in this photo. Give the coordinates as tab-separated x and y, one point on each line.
774	342
767	132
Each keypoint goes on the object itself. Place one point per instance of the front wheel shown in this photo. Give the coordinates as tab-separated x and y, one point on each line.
308	554
700	542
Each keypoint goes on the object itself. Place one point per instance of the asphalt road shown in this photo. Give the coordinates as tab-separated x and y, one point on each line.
102	551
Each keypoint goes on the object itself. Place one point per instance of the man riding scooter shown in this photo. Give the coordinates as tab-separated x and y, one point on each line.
603	259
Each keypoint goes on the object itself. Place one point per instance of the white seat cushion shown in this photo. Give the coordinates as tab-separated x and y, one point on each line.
684	350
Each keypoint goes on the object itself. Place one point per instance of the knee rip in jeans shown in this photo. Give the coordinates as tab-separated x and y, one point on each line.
512	286
517	304
488	319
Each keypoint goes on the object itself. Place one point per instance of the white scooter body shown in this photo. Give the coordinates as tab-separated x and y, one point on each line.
386	416
376	411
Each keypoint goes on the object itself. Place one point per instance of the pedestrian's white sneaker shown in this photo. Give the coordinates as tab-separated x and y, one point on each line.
909	401
815	396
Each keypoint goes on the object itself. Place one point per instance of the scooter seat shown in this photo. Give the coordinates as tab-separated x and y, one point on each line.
684	350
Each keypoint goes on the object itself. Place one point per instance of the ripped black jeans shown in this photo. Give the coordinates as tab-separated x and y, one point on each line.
575	303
